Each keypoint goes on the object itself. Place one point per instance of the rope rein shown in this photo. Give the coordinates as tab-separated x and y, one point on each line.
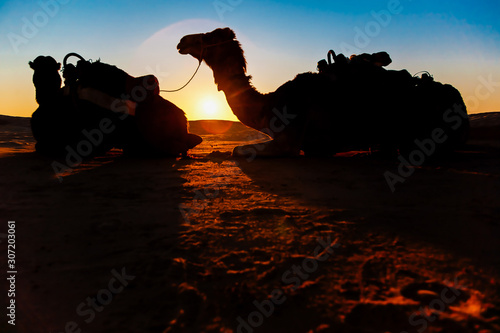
184	86
203	48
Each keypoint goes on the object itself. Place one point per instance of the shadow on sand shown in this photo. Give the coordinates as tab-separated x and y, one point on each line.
451	205
76	237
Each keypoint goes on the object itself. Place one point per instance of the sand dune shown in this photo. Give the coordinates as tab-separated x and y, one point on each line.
204	244
485	129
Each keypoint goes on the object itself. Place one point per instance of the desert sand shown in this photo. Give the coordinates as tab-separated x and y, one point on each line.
215	244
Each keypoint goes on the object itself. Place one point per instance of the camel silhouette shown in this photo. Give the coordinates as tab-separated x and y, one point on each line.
354	104
46	79
142	121
60	120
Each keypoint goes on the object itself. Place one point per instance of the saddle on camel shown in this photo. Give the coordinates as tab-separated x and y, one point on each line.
413	109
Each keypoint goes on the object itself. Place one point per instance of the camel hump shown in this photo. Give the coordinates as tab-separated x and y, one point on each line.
142	88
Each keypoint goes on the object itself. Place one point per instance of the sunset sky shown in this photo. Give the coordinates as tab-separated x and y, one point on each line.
456	41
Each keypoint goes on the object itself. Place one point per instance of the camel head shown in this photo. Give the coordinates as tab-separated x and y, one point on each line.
45	64
212	47
197	45
219	49
46	78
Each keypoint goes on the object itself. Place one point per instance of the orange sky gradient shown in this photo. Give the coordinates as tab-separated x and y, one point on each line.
452	49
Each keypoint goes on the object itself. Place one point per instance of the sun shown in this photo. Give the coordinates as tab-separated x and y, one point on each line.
210	107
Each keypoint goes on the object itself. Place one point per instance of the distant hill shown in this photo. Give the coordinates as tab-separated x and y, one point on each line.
225	130
202	127
14	121
485	127
219	129
487	119
478	119
199	126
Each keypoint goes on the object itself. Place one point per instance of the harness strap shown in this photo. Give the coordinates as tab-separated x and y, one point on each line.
106	101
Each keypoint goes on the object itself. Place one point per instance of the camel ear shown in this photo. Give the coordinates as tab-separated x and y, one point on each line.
229	34
32	65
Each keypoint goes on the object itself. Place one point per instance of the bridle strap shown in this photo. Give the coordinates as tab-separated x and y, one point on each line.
216	44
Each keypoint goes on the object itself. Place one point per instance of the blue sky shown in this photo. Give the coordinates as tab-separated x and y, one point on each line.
457	41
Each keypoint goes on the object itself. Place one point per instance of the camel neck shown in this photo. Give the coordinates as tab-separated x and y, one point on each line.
245	101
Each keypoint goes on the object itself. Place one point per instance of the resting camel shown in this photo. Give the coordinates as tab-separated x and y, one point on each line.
357	105
135	117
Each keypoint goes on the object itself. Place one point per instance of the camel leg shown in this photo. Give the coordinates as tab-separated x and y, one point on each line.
281	146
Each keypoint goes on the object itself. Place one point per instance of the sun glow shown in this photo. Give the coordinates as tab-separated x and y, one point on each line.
210	108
